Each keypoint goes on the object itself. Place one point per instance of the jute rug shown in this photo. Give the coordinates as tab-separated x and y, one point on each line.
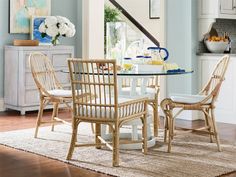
192	155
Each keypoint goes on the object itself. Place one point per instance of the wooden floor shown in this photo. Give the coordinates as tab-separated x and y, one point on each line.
15	163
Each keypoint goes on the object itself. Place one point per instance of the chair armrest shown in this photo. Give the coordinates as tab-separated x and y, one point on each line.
132	107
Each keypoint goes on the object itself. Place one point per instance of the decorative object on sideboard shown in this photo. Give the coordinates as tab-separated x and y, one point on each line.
21	11
36	21
18	42
56	26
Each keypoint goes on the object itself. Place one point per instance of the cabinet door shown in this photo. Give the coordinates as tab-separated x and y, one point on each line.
207	8
227	7
31	97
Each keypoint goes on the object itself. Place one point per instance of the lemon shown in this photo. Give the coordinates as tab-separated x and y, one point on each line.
127	66
157	62
171	66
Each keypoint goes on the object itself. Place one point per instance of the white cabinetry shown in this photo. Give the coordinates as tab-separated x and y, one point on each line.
217	9
20	92
226	103
228	7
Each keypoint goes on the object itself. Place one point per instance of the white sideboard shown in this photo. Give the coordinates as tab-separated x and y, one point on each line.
226	103
20	92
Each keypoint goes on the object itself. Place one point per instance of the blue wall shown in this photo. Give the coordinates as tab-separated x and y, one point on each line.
181	43
71	9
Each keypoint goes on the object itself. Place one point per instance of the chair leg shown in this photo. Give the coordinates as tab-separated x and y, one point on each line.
170	134
208	123
171	129
166	129
73	140
92	128
116	146
40	114
215	129
98	133
166	109
144	134
158	118
54	114
155	119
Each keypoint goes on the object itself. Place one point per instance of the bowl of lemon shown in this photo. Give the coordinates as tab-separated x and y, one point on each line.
216	44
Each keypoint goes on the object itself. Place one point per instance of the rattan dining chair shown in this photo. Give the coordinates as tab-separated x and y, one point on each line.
99	103
204	101
50	90
152	92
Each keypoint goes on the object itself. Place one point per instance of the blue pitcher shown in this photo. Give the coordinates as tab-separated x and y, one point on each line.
158	53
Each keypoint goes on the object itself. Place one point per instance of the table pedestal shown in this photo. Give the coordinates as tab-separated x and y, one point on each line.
133	135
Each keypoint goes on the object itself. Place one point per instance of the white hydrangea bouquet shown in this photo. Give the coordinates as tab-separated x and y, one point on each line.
56	26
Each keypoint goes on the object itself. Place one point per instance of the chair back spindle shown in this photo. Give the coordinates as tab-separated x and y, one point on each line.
43	73
217	77
94	88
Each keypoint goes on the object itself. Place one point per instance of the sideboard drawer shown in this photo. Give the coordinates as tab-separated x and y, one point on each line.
63	78
60	60
29	81
26	55
31	97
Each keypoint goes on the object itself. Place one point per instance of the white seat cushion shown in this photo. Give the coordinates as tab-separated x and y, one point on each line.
150	92
108	114
60	93
189	99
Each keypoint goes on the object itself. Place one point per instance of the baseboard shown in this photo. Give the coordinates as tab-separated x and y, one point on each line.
2	107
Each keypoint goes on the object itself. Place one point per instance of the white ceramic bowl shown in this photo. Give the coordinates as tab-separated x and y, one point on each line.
216	46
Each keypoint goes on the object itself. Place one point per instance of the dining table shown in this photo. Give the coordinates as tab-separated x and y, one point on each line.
143	77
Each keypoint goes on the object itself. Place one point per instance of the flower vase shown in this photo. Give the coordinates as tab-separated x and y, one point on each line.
55	41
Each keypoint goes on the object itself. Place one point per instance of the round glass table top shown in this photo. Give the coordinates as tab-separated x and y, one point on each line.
146	73
152	73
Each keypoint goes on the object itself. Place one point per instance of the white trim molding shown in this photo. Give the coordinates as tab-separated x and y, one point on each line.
93	29
2	106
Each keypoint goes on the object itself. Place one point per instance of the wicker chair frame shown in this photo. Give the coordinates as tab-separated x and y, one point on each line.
45	79
207	106
98	103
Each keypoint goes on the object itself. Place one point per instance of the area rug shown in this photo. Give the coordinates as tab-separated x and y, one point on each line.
192	155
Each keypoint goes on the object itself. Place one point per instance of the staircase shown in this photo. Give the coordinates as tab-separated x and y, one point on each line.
133	21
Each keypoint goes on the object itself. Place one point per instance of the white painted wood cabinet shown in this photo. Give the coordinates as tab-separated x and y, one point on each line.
217	9
226	103
228	7
20	92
